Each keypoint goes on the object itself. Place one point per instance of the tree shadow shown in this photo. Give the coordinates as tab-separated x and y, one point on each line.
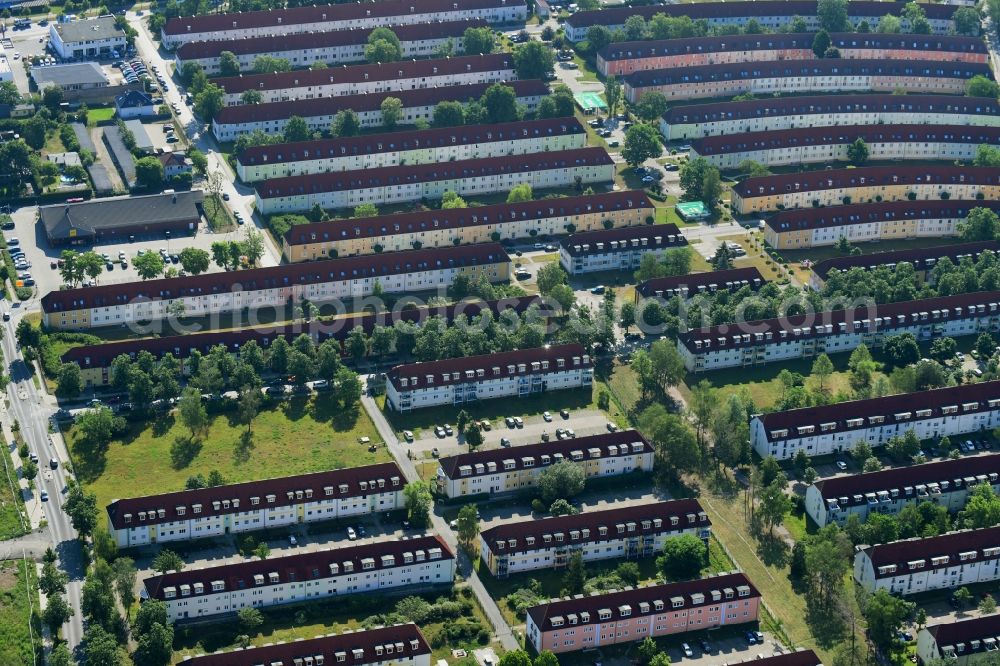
826	623
89	462
244	448
721	483
162	424
345	419
772	550
184	450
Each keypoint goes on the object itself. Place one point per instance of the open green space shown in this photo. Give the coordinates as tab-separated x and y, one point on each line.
296	436
12	516
20	630
95	116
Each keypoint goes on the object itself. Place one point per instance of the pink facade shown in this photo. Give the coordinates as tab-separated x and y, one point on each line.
910	54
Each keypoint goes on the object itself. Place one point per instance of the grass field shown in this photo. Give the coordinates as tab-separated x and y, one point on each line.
294	437
95	116
11	506
18	605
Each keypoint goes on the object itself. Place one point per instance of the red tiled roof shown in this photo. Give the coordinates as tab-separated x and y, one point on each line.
592	520
340	181
299	567
771	107
560	447
328	646
318	14
585	243
899	174
279	487
542	614
326	106
390	142
346	74
950	544
695	281
783	69
497	214
801	219
287	275
323	39
917	257
890	407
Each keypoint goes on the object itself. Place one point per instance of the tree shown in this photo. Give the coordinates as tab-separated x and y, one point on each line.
962	596
982	508
229	65
901	350
599	36
822	368
149	173
858	152
451	200
296	129
155	646
966	21
52	580
828	554
563	480
249	405
266	64
642	142
100	648
986	155
980	86
500	102
885	614
69	384
381	51
546	658
753	169
192	412
889	25
550	275
468	525
194	260
477	40
148	265
418	502
209	101
821	42
392	112
345	123
167	560
250	619
57	612
262	551
988	605
9	93
251	97
448	114
519	193
943	349
683	557
124	573
832	15
651	106
28	335
773	503
980	224
98	426
533	60
366	210
576	575
515	658
626	316
60	656
252	245
81	507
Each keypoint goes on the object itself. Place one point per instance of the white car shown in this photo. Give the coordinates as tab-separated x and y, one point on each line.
351	534
841	465
547	416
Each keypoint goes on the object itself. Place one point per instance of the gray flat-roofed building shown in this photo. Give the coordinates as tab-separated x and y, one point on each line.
87	38
142	139
121	155
83	136
110	219
72	76
101	179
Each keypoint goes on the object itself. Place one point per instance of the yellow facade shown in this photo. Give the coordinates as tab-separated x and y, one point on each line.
867	194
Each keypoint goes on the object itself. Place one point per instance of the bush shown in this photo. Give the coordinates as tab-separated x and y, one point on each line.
537	505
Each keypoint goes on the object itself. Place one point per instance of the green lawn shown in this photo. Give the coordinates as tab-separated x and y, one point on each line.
95	116
11	506
218	217
18	608
294	437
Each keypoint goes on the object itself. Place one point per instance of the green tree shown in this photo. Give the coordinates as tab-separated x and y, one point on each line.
642	142
209	101
986	155
468	525
149	173
885	614
266	64
599	36
251	97
683	557
477	40
52	580
262	551
901	350
980	86
563	480
296	129
418	499
533	60
515	658
858	152
652	105
448	114
124	572
392	112
962	596
988	605
980	224
821	42
500	102
148	265
966	21
167	560
194	260
250	619
229	65
192	412
576	575
889	25
81	507
9	93
519	193
828	553
982	508
546	658
57	612
549	276
822	368
69	384
155	646
345	123
832	15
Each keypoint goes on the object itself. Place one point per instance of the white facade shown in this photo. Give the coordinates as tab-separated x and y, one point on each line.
87	38
577	255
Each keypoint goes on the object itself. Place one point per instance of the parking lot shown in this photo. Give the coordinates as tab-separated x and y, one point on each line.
731	647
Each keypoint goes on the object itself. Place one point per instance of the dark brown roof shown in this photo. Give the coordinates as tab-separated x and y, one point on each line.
563	448
689	513
734	278
965	631
853	487
318	14
801	219
950	544
328	646
918	257
626	239
881	317
573	355
771	107
807	68
455	218
340	181
840	40
346	74
542	614
298	567
389	474
181	346
899	174
844	134
372	144
322	39
894	409
722	10
313	272
326	106
798	658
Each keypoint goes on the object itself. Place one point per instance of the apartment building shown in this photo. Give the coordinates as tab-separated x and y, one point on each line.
274	287
802	228
380	646
368	14
456	381
497	471
951	411
401	184
923	260
244	507
944	562
830	75
371	78
812	145
621	58
688	286
619	249
428	146
330	47
380	568
446	227
95	360
946	483
771	14
629	533
963	642
694	121
626	616
800	657
868	184
233	121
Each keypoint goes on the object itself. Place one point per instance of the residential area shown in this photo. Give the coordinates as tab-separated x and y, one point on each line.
483	332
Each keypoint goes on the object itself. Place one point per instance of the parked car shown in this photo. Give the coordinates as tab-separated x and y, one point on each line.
518	421
841	465
292	541
351	534
547	416
408	435
504	442
688	652
751	638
